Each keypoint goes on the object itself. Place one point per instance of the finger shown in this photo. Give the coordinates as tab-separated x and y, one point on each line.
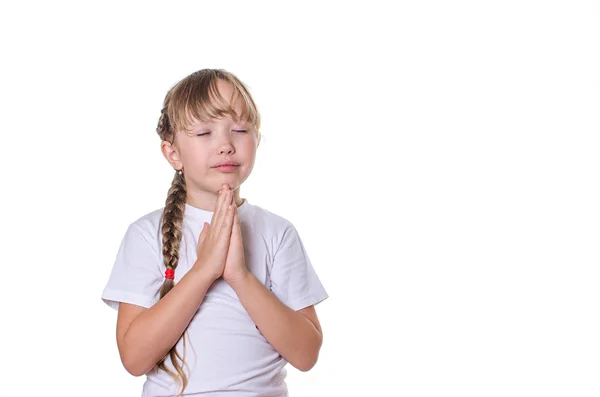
227	218
234	218
224	232
220	201
223	211
219	206
236	223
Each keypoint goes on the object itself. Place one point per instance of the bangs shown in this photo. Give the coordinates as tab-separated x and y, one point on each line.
197	98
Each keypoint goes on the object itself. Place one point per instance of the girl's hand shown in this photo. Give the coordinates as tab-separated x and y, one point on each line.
213	243
235	265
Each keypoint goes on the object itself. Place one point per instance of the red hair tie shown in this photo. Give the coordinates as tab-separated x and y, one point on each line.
170	274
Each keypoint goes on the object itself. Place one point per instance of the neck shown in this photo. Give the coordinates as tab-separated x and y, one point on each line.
207	200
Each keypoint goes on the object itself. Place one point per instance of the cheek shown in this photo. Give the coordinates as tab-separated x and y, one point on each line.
197	158
249	155
249	147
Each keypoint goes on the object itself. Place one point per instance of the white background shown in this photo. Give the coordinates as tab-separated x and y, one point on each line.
439	159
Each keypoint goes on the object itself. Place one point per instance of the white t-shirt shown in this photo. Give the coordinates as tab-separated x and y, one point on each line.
226	354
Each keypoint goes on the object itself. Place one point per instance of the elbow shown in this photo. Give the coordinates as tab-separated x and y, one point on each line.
311	356
130	366
306	362
306	365
134	369
133	365
305	368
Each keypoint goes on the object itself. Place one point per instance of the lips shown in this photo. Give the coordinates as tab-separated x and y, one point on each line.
226	168
227	163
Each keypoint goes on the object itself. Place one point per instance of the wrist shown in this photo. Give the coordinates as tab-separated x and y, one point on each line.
203	273
240	279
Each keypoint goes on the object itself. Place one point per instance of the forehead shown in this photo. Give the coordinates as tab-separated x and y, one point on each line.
229	94
225	88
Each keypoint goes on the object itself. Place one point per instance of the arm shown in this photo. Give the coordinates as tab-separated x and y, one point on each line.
296	338
145	336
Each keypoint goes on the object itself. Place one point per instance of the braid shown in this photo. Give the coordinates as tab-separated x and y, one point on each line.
172	220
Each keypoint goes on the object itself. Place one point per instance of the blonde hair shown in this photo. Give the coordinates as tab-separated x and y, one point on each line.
195	97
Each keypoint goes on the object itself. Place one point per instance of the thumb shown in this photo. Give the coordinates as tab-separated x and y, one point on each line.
204	231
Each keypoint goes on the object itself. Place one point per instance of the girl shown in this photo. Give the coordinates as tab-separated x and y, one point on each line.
214	294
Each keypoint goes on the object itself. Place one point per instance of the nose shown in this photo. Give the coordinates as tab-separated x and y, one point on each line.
226	148
225	143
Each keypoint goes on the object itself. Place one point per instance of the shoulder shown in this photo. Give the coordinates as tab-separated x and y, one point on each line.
269	220
280	229
148	225
149	221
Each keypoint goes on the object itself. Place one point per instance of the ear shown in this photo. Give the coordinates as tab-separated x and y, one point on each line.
171	154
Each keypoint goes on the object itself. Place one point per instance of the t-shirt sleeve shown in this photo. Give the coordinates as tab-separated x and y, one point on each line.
136	275
293	278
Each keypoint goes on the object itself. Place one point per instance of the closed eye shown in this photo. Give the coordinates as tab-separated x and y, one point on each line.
206	133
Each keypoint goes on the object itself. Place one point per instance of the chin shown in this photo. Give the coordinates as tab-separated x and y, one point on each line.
230	181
